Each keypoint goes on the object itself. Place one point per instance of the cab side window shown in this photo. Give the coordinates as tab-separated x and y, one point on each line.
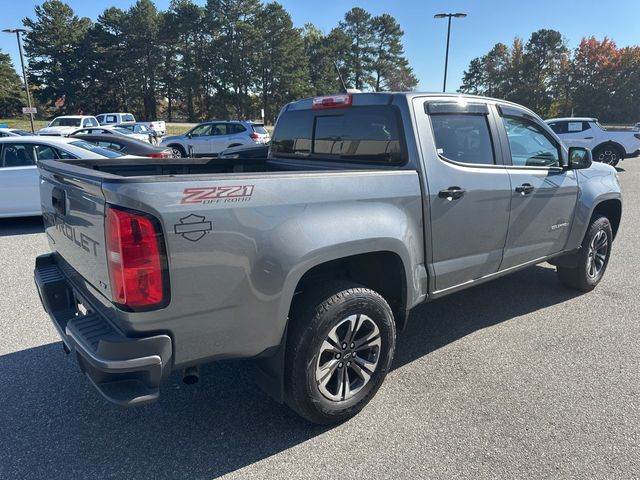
530	145
201	131
463	138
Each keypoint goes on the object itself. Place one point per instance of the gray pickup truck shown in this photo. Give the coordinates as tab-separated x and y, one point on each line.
309	260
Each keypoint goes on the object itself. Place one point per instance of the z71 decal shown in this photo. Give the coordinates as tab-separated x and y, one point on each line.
202	195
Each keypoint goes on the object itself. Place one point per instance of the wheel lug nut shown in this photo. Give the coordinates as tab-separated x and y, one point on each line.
353	345
344	345
348	364
338	355
340	365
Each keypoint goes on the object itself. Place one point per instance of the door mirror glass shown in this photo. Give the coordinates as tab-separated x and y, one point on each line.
579	158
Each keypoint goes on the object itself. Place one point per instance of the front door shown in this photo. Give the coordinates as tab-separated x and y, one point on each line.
544	194
200	141
469	190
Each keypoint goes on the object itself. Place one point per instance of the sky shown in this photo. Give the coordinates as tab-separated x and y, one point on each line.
488	22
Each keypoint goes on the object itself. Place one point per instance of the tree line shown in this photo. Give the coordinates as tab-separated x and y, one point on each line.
226	58
596	79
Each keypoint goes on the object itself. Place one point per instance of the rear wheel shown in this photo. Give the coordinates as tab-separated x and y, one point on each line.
339	349
609	154
593	257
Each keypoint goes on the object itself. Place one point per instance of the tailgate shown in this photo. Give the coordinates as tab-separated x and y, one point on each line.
73	214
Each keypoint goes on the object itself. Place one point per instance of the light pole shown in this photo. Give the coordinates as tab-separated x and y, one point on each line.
446	57
18	31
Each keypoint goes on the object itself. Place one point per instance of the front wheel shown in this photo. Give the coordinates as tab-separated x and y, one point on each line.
593	257
339	349
177	151
608	154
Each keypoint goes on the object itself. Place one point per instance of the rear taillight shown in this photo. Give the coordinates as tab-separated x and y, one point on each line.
331	101
161	155
254	136
135	257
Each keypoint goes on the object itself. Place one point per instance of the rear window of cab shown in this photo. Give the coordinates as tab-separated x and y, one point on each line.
367	134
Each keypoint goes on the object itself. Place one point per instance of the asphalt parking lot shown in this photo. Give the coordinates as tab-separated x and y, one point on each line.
518	378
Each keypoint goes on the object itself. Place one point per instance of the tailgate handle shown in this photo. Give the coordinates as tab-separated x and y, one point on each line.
58	200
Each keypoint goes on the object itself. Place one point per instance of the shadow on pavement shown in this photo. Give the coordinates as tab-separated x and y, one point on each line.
20	226
55	424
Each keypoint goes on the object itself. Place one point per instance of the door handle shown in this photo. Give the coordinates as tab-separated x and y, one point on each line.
524	189
588	138
452	193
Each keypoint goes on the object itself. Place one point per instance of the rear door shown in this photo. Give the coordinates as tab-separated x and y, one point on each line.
18	180
544	194
469	189
220	137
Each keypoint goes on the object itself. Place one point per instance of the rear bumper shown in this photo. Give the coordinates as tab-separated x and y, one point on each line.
126	371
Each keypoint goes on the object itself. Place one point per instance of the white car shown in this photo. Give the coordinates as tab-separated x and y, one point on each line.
19	178
608	146
68	124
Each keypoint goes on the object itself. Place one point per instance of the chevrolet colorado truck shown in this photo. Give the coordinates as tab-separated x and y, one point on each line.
310	259
608	145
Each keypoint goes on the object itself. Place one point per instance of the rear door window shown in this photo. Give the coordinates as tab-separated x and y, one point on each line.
220	129
360	134
463	138
128	118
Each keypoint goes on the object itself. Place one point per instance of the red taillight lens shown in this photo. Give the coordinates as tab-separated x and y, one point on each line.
161	155
134	259
254	136
331	101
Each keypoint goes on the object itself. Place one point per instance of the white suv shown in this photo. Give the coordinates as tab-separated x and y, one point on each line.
608	146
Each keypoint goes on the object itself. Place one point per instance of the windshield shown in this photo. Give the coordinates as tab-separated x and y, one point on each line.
65	122
105	152
24	133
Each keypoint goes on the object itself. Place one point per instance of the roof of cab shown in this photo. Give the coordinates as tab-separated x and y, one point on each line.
384	98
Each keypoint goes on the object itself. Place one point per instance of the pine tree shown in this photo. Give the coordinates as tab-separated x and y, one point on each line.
52	47
12	96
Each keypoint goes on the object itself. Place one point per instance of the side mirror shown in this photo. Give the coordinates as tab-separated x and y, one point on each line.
188	135
579	157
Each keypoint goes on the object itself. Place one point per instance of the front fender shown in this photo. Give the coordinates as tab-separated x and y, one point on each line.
597	184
